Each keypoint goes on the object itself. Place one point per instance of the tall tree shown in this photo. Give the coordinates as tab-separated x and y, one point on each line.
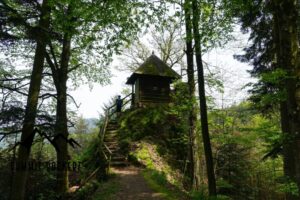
194	172
165	41
92	33
40	35
273	53
286	42
203	107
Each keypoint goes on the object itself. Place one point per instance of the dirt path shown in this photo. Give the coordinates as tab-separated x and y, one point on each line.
133	186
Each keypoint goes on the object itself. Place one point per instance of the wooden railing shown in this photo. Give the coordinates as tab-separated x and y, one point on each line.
108	114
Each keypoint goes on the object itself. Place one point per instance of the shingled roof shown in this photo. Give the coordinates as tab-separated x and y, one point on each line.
155	67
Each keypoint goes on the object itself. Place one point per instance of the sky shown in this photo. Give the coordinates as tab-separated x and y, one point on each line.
233	73
91	101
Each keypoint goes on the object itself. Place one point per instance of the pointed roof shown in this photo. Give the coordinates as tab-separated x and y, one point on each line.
155	67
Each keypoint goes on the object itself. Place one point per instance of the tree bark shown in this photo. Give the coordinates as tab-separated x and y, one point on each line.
286	43
203	108
27	136
194	172
61	125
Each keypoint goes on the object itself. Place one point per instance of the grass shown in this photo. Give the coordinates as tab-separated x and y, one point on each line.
156	172
155	181
107	190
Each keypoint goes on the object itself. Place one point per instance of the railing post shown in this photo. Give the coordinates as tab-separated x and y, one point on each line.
132	100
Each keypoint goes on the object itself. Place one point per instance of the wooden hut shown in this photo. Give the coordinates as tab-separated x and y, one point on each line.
151	82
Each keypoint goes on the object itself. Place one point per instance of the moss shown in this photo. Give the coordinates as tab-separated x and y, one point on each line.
143	122
143	156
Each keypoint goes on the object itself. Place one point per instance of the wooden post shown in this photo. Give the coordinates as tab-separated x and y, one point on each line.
132	96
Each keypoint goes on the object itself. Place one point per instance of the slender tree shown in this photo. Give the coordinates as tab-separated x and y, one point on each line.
203	107
194	172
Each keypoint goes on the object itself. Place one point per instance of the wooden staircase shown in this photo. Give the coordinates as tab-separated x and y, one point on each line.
109	136
111	141
111	150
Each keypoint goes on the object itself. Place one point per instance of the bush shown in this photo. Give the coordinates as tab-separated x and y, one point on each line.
142	122
92	158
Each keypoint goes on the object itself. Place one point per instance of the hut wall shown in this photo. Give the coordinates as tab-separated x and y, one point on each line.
154	90
137	91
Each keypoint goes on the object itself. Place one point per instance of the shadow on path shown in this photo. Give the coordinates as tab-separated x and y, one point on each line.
133	186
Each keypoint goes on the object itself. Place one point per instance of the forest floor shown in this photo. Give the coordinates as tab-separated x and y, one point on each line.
127	184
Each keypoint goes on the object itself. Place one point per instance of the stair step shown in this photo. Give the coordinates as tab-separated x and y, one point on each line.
113	136
115	139
112	125
110	139
108	142
111	129
113	148
120	159
113	142
114	133
119	163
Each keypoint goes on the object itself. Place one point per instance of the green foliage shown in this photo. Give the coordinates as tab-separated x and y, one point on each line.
289	187
159	177
142	156
200	195
37	189
265	92
84	141
216	23
98	30
241	138
93	157
157	181
167	122
182	103
87	190
81	126
157	171
143	122
106	190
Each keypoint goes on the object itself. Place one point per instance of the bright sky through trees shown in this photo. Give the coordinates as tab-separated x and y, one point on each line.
233	73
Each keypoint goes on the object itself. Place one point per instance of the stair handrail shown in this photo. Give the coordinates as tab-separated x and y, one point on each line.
108	113
104	126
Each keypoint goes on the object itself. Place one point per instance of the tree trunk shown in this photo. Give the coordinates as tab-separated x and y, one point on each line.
20	177
194	171
286	42
61	125
203	108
